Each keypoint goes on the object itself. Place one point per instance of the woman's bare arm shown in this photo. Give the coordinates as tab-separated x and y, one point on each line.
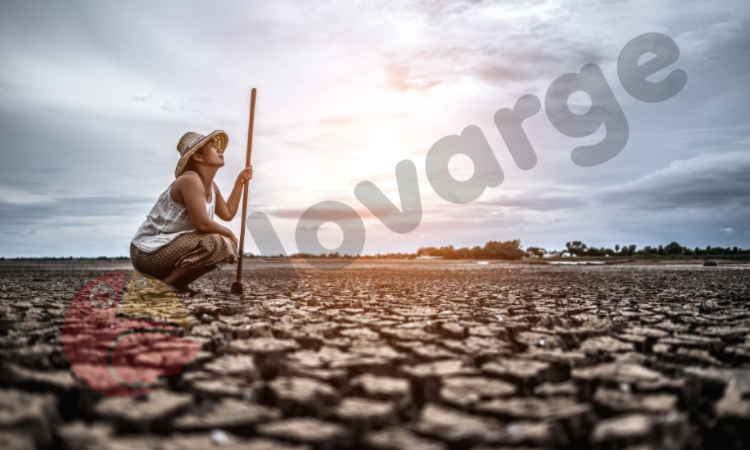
193	195
227	210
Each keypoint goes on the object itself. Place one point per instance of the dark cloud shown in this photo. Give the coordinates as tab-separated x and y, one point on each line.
51	212
705	182
94	96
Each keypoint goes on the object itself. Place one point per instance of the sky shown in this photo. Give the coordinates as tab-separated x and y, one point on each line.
94	97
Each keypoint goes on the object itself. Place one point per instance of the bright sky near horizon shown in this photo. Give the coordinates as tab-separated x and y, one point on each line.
95	95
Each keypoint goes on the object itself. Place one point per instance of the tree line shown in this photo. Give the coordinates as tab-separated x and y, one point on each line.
511	250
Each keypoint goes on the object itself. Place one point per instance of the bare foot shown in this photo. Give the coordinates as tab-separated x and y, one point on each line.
161	290
190	290
185	291
181	293
178	291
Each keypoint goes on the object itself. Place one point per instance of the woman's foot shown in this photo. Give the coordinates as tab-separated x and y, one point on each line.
185	291
161	290
191	291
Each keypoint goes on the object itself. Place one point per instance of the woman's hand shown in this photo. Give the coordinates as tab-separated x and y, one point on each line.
234	239
245	175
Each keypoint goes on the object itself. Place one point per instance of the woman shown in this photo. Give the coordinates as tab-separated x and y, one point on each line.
179	240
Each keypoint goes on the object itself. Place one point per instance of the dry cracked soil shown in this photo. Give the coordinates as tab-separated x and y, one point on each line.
407	356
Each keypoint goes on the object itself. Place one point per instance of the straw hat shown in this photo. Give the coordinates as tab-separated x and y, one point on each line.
191	142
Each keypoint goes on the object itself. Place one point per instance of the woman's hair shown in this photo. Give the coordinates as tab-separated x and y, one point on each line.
191	163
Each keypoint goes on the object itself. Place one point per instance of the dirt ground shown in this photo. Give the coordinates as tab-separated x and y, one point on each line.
409	355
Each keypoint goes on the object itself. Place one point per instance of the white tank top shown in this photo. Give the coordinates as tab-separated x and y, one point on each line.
167	220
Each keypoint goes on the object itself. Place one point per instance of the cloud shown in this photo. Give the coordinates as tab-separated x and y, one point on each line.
336	214
727	230
536	201
94	96
52	212
704	182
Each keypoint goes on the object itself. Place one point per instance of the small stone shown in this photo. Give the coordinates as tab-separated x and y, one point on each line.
219	437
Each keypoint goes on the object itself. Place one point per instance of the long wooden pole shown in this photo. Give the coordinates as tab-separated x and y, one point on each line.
237	286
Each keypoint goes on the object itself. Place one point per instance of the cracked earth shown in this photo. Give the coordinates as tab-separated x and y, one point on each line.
406	356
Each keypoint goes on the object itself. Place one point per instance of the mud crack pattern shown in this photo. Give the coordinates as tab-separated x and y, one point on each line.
403	356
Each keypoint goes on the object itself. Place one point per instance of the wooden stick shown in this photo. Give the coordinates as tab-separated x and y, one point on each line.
237	286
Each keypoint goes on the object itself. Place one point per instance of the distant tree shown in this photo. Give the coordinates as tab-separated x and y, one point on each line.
673	248
447	252
576	248
536	251
430	251
617	248
504	250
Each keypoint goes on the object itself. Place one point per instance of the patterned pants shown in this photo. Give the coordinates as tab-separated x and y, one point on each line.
189	250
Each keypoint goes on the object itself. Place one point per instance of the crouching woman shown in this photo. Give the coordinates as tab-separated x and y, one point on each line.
179	241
